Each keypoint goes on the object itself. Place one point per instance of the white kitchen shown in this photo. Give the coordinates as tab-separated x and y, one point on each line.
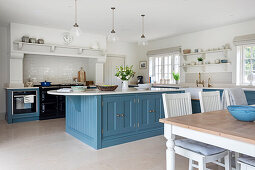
127	85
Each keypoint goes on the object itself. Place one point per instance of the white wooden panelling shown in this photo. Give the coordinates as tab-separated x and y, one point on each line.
209	101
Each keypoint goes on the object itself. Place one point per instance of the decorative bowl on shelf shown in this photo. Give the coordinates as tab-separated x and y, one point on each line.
224	61
242	113
107	87
79	88
186	51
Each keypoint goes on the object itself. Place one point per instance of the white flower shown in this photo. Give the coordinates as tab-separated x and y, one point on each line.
128	76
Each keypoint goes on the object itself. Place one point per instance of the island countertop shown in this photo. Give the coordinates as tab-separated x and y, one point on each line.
118	91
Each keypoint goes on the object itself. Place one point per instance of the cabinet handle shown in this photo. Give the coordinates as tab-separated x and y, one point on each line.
152	111
120	115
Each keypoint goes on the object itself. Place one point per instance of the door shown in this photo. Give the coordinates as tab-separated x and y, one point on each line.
110	69
119	115
149	111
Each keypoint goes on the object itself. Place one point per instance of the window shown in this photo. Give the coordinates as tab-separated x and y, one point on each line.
245	64
161	68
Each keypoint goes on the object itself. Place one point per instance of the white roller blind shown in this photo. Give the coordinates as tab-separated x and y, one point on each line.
164	51
244	40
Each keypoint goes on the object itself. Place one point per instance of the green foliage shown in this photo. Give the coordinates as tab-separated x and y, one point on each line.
176	76
125	73
200	59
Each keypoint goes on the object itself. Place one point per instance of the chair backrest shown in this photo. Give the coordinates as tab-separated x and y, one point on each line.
209	101
227	97
177	104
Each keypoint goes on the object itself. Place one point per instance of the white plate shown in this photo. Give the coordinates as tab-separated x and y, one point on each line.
141	88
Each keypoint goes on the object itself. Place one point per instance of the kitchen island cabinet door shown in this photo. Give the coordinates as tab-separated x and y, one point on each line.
149	111
119	115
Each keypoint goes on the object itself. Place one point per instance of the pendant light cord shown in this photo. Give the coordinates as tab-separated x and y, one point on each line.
75	15
142	36
143	24
113	8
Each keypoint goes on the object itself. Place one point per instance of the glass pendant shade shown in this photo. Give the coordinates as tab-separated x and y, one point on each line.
143	41
112	37
76	30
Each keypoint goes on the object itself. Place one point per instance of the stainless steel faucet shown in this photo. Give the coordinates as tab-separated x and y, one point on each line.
199	80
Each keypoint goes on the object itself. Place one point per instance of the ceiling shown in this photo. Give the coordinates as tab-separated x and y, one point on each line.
163	17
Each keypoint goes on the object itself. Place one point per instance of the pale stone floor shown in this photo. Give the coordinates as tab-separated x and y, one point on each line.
44	145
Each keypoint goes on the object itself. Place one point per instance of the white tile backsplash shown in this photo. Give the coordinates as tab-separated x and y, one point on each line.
216	78
56	69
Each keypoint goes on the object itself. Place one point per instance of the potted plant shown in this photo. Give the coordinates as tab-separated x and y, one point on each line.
200	60
176	77
125	73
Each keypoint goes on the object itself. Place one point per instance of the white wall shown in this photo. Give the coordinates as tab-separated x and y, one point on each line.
3	69
56	69
130	51
212	38
51	35
42	67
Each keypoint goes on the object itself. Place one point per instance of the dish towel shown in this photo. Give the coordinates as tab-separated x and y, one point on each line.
64	90
236	96
29	99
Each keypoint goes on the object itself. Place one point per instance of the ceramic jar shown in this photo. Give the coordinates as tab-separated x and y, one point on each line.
25	39
40	41
32	40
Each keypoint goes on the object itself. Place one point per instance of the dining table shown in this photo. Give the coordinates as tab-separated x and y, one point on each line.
218	128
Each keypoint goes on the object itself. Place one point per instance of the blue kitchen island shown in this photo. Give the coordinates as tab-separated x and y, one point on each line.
102	119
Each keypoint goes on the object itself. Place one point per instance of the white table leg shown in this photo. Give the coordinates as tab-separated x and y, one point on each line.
227	161
170	153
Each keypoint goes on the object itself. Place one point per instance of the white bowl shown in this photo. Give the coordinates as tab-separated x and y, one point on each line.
146	86
79	88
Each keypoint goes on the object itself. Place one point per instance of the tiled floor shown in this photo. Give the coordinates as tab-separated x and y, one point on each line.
44	145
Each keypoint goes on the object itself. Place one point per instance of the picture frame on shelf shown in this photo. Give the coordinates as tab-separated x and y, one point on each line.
143	64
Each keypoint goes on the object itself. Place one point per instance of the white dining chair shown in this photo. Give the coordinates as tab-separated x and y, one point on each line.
233	96
209	101
180	105
246	163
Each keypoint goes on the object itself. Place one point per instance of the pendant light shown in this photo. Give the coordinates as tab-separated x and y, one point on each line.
143	41
76	29
112	37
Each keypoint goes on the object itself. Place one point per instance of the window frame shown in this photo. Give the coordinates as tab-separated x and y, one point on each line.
240	66
170	66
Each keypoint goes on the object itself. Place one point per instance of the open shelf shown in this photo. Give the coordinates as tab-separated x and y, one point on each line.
58	50
21	44
206	52
204	65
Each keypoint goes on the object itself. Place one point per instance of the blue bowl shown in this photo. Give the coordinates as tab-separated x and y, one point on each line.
243	113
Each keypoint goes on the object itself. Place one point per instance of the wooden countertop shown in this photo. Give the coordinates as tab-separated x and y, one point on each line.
219	123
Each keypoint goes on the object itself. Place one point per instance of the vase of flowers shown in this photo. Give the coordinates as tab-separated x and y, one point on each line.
125	73
176	77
